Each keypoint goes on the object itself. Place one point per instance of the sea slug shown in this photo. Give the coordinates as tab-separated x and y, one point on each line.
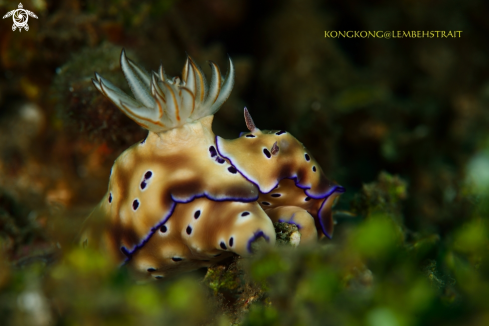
184	198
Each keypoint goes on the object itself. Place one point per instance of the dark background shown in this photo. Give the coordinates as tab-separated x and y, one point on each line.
416	108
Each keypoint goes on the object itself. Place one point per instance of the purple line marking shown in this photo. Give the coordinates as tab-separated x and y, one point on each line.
335	188
255	236
155	228
125	251
244	176
175	201
338	189
206	195
294	223
291	221
130	253
306	188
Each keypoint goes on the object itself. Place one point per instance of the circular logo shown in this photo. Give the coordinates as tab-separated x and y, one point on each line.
20	18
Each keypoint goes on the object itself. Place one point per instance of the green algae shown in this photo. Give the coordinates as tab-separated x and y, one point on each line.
411	249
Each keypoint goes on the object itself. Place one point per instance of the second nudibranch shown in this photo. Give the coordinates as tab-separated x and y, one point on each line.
184	198
286	175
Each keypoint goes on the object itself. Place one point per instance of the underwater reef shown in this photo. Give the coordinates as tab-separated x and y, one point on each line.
400	123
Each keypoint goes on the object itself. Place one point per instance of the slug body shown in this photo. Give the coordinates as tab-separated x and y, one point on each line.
184	198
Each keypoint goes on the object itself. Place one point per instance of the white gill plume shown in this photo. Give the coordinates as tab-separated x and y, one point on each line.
162	103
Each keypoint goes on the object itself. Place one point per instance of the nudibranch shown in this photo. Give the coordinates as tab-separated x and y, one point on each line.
292	185
184	198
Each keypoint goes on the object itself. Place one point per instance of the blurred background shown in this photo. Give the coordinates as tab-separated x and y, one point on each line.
402	124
